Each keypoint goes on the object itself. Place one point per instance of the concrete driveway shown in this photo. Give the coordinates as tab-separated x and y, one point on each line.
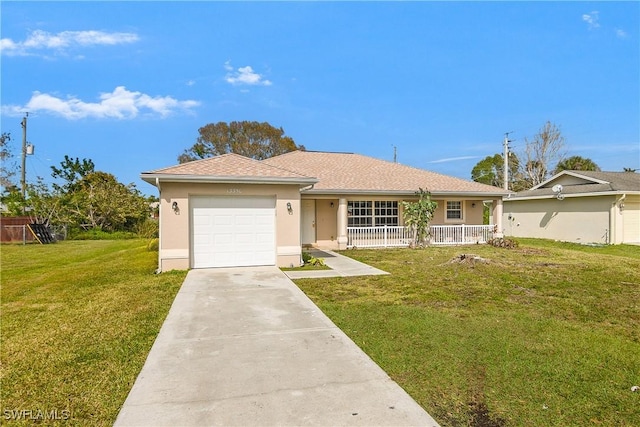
244	346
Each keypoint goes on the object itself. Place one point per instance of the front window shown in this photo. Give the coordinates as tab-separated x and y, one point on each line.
367	213
454	210
386	213
359	214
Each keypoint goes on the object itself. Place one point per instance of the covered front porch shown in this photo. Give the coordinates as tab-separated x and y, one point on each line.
377	221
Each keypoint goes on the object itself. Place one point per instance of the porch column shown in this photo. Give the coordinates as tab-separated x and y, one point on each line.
497	217
342	224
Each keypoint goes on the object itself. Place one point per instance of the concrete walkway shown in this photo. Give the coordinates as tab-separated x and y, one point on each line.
246	347
341	266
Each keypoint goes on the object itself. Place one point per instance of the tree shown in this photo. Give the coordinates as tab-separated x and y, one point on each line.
251	139
490	171
99	201
72	171
418	216
87	200
546	148
44	205
576	163
7	166
632	170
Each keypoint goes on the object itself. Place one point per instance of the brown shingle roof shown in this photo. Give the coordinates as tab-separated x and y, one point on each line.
619	181
347	172
228	166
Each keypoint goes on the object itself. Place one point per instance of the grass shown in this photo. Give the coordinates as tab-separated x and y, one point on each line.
547	334
78	320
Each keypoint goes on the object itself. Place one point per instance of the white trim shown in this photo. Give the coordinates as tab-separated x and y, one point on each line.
401	193
174	253
160	215
570	173
156	178
553	196
462	212
288	250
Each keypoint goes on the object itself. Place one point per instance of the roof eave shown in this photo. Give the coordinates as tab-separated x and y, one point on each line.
335	192
153	178
574	195
570	173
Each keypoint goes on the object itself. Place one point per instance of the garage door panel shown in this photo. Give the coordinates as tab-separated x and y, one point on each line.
201	220
244	219
202	240
263	238
244	239
263	220
230	231
221	220
222	240
244	228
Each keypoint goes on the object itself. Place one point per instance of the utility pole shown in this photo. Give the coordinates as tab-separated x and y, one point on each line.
505	171
23	177
395	154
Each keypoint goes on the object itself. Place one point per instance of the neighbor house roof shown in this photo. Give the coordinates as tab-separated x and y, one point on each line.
231	168
348	173
583	183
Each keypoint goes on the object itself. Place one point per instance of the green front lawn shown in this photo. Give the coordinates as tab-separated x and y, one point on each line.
78	320
547	334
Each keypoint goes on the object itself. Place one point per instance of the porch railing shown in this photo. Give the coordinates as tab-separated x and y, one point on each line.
461	234
400	236
378	237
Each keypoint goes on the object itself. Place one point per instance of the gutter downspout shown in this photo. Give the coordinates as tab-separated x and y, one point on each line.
159	269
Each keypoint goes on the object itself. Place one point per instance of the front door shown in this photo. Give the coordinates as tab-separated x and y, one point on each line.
308	222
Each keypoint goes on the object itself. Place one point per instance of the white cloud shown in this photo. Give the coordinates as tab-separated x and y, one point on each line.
592	19
244	76
39	41
119	104
621	33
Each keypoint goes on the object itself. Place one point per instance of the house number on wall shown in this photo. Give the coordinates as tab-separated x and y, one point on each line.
234	190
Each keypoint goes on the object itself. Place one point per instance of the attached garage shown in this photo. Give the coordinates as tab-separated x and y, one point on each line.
233	231
228	211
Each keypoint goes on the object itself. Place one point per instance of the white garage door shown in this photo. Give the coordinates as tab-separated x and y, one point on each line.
233	231
631	217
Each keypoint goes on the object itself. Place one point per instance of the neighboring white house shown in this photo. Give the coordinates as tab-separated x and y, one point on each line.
578	206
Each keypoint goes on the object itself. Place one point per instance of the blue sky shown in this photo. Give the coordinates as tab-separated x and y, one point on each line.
128	84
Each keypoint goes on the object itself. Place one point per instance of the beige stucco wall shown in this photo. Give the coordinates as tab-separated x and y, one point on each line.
574	219
471	212
175	231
